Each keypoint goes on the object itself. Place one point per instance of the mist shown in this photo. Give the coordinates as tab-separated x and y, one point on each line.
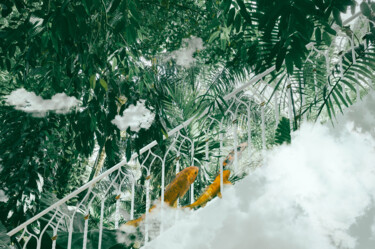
317	192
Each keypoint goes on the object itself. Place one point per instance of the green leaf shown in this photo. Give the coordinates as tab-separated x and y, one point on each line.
289	63
318	36
114	64
280	58
329	30
349	85
104	84
237	23
225	5
372	6
337	16
128	150
92	81
243	11
338	92
214	36
327	38
365	9
282	134
231	14
336	100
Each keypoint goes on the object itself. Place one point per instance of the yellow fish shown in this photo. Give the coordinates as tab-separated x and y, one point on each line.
230	158
176	189
211	191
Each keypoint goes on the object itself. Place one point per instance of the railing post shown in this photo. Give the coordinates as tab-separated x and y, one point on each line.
192	164
132	198
101	224
249	132
235	129
276	106
147	183
290	108
263	127
354	61
221	158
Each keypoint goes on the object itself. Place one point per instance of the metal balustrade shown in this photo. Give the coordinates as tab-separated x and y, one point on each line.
108	189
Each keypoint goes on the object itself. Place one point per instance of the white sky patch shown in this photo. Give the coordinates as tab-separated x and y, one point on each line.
184	56
306	195
32	103
3	196
135	116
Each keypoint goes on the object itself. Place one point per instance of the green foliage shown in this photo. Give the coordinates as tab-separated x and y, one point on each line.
93	50
282	134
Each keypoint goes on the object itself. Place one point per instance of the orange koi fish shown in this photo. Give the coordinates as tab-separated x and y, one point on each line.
211	191
230	158
176	189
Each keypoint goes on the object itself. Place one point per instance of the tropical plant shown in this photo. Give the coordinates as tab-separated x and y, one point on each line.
109	54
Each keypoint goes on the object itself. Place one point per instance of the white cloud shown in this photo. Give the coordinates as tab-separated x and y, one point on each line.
307	195
32	103
135	116
3	196
184	56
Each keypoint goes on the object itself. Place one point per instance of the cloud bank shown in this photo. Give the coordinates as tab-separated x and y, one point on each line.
310	194
135	116
26	101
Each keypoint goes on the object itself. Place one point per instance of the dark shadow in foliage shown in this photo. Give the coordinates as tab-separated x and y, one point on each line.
4	238
283	131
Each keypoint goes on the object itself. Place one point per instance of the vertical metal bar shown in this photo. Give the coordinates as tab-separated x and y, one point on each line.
70	232
342	75
147	207
192	193
54	241
326	55
39	242
315	80
304	117
249	131
235	130
162	197
162	182
178	170
355	61
85	230
206	151
132	200
117	212
221	158
290	109
101	225
192	164
263	126
276	106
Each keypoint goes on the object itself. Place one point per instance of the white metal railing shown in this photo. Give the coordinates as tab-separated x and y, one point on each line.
117	180
119	177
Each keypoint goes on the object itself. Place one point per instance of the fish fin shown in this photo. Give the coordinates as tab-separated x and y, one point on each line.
228	182
219	194
175	204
